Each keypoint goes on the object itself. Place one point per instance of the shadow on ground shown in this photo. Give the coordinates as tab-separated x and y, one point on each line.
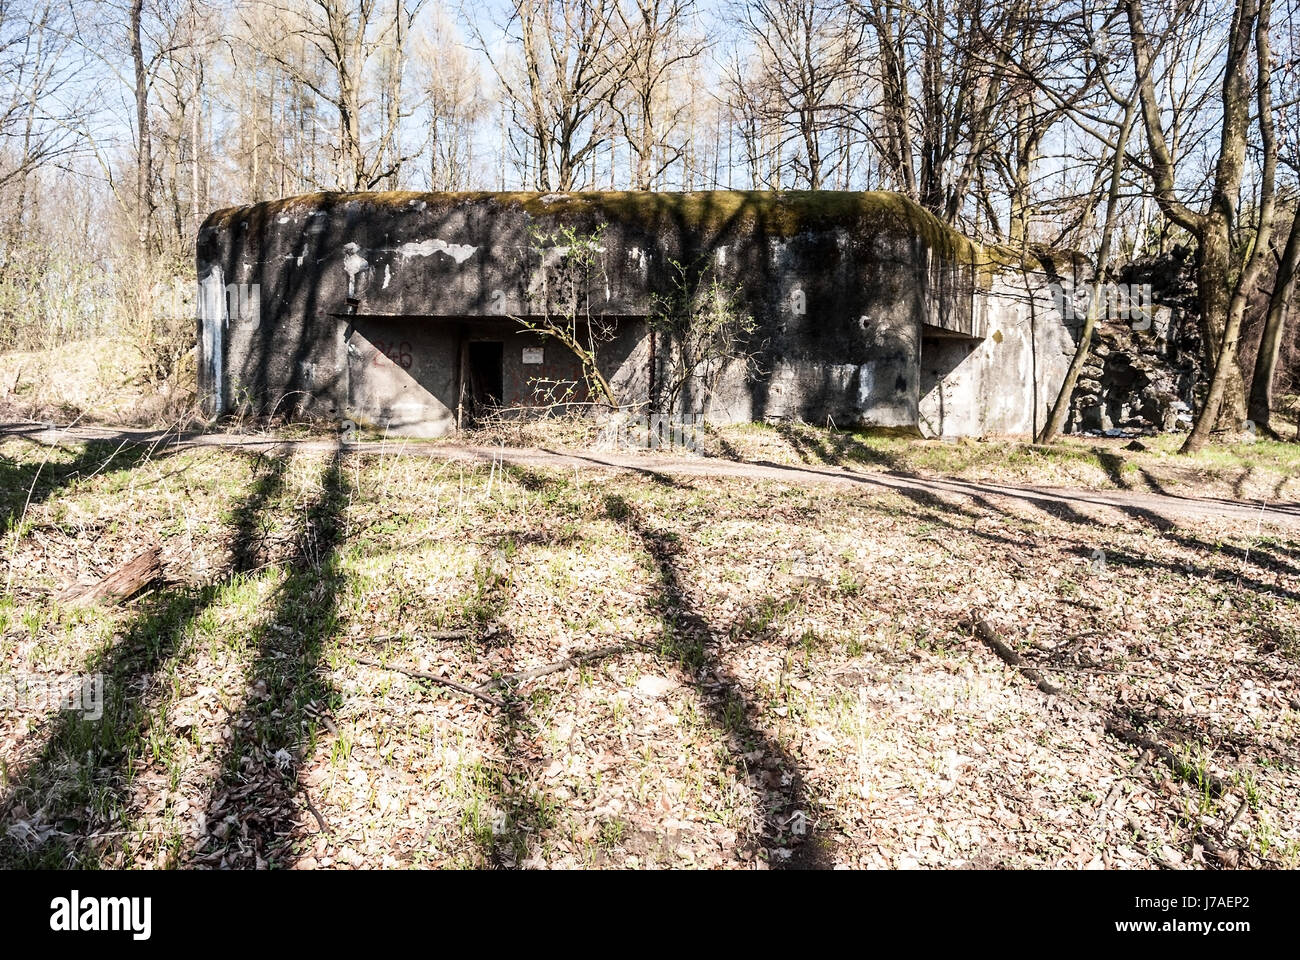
84	771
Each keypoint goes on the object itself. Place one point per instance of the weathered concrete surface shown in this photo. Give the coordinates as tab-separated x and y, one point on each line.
1004	381
869	312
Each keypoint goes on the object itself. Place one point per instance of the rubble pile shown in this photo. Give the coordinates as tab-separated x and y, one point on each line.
1142	372
1133	383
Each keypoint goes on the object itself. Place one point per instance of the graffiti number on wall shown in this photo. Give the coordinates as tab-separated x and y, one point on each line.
398	353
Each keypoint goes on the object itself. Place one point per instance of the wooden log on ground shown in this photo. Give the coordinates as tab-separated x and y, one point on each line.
432	678
464	634
122	584
586	656
1120	730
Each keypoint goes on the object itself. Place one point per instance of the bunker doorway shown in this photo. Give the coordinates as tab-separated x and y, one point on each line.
486	369
945	405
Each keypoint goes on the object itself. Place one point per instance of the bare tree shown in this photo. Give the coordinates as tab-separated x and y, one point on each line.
455	104
144	139
942	69
1114	134
655	46
177	123
747	118
558	74
39	106
361	44
1260	404
1225	279
806	62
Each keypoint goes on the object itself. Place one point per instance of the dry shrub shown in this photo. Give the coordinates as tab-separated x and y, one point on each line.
573	427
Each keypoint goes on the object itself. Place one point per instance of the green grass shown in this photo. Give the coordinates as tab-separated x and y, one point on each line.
1265	468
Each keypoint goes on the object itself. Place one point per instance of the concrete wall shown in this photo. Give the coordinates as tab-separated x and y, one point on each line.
1004	381
869	312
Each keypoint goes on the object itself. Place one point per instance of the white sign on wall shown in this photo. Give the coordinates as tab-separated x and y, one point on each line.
533	355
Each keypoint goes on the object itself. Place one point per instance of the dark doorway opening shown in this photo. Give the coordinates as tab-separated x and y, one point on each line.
486	377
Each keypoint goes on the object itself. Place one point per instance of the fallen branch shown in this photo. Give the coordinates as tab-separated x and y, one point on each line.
1241	808
433	678
1153	845
1122	731
123	583
1229	856
522	676
939	541
986	633
311	808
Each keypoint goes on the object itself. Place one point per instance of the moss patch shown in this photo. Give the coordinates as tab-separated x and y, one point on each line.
706	214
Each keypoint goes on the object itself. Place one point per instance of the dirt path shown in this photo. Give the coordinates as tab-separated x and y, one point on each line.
1240	516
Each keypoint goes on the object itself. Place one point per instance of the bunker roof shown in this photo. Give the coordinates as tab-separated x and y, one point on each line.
706	213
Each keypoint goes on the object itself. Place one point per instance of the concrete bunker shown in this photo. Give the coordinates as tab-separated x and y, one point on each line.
402	310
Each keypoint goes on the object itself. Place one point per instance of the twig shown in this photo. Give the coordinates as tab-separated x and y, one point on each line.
1241	808
578	658
986	633
937	540
1152	845
432	635
1121	730
1106	671
433	678
1230	857
311	808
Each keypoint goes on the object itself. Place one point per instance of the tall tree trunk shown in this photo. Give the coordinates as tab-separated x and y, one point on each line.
1026	153
1226	399
353	173
394	113
1214	297
1221	295
144	168
1260	408
196	138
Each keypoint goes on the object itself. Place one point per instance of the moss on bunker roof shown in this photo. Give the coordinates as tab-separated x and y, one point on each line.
706	213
